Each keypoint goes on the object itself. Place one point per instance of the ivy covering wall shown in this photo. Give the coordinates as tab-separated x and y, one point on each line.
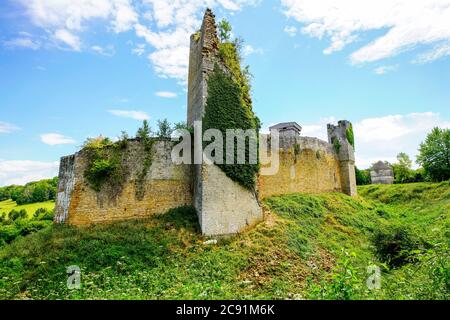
229	106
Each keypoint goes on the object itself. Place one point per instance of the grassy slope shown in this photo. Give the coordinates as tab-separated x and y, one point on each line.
301	244
8	205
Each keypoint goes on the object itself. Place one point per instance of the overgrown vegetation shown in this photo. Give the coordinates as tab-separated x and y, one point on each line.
350	135
106	169
336	144
313	247
105	166
229	106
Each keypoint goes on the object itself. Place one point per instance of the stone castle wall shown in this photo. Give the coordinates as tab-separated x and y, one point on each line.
314	169
223	206
166	186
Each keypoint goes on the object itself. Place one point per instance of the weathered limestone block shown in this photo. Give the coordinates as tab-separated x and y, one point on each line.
166	186
315	169
337	136
66	185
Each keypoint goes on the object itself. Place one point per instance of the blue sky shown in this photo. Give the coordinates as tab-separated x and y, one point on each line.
76	69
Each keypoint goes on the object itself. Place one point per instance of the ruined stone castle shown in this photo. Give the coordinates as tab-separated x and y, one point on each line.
307	165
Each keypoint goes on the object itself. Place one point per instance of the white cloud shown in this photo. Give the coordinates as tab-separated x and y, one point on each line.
107	51
166	94
248	50
6	127
20	172
167	29
437	52
67	38
406	24
54	139
385	69
382	138
290	30
174	22
137	115
22	43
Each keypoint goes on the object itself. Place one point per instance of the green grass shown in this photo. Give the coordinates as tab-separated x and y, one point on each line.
8	205
309	247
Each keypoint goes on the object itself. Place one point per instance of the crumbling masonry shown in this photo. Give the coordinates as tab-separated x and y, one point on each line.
306	164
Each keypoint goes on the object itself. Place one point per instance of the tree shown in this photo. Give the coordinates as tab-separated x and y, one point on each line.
224	30
164	129
404	160
434	154
144	131
362	177
403	172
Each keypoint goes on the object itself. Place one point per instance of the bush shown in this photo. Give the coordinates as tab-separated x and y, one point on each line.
396	245
362	177
43	214
16	215
343	283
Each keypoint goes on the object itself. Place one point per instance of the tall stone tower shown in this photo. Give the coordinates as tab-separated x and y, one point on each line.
223	206
340	137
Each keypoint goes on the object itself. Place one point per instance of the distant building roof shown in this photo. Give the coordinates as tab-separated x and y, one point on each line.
380	165
287	126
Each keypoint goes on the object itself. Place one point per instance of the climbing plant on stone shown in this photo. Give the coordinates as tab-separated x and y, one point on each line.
224	110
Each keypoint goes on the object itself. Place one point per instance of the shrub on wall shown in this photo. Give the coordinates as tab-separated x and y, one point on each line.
104	165
350	135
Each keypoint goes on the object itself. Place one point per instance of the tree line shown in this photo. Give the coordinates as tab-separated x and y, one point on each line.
433	158
32	192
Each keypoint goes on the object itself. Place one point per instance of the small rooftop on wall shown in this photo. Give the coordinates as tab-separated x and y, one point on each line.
284	126
380	165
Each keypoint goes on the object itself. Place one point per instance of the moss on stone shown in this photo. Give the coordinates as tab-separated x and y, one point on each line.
350	136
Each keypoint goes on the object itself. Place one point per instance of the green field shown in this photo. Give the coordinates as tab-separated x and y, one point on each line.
309	247
8	205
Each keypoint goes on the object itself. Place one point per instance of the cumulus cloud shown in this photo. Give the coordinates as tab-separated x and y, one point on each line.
164	25
382	138
405	24
54	139
6	127
136	115
20	172
166	94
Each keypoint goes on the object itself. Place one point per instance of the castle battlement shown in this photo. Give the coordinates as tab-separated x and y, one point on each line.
306	165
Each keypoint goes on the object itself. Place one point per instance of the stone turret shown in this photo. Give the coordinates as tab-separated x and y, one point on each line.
341	137
202	57
223	205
